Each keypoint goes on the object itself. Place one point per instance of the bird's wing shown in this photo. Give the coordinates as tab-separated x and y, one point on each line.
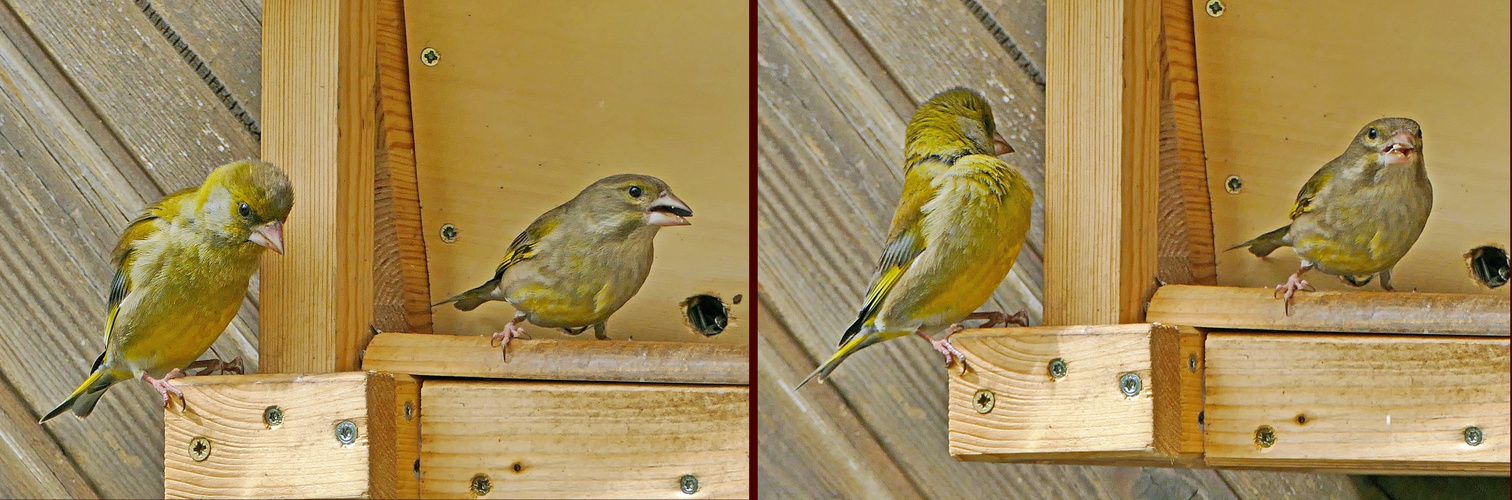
1305	197
123	258
905	241
527	244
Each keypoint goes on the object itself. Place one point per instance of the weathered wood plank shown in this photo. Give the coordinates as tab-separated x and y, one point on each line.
401	282
223	46
1023	23
473	356
1366	312
1185	220
32	465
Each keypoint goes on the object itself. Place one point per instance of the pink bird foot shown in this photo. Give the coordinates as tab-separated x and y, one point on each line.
511	331
1293	284
165	388
944	346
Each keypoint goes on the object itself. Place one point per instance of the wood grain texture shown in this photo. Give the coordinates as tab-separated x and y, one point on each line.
225	37
1358	403
549	359
401	287
532	102
1083	415
1185	221
34	465
1023	22
1266	123
319	77
811	444
1102	130
1365	312
602	440
406	436
301	456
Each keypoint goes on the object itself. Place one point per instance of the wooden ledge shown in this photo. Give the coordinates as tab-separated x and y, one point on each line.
1364	312
565	360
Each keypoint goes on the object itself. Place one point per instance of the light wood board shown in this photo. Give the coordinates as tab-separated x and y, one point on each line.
531	102
1285	87
1374	312
567	360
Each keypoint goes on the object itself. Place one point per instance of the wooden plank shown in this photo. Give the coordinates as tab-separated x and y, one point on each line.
1371	312
1088	412
599	441
407	436
221	41
1358	403
319	78
1186	221
300	453
1271	127
811	443
1102	129
549	359
1023	24
34	465
588	92
401	286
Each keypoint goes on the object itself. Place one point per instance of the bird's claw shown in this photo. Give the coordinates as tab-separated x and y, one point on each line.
167	389
212	366
1291	287
944	346
511	331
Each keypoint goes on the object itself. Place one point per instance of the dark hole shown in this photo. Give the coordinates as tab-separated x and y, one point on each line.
982	400
1489	265
707	314
1200	416
736	300
417	467
1301	419
518	467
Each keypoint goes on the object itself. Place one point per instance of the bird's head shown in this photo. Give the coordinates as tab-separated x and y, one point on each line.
633	200
955	122
1391	141
247	202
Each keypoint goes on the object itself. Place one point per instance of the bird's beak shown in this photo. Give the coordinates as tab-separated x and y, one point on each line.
269	235
669	211
1400	150
1000	145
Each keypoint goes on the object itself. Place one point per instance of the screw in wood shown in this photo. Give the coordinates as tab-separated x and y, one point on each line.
1130	384
1474	436
346	432
689	484
1265	436
1192	363
480	485
1214	8
272	416
409	410
448	233
429	56
199	448
983	400
1057	368
1233	184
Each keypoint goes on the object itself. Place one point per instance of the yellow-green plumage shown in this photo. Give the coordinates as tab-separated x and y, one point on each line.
960	223
181	271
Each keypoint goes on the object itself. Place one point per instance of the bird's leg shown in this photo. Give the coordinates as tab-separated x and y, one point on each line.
213	365
511	331
997	318
944	347
598	331
1386	281
165	388
1293	284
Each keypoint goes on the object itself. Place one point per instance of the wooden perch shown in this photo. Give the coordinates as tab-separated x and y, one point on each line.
1372	404
1057	394
1371	312
568	360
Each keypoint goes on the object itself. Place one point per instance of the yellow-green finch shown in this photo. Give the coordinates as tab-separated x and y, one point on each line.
958	228
1359	214
580	262
181	271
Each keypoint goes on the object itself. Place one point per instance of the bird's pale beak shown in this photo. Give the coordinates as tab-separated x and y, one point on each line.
1400	150
269	235
669	211
1000	145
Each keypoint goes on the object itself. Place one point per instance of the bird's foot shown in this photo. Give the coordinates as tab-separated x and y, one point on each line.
215	365
997	318
511	331
165	388
944	347
1293	284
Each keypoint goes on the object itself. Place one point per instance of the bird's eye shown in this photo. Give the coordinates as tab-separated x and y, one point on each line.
635	191
1420	133
244	210
1372	133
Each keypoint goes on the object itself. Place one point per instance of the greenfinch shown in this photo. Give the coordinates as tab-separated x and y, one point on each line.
181	271
580	262
961	220
1359	214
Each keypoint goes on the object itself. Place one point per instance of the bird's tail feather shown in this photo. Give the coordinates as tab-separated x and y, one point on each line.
471	299
856	343
1266	243
83	399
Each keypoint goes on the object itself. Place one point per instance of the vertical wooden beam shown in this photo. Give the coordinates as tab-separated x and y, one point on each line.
1186	215
401	284
319	88
1102	104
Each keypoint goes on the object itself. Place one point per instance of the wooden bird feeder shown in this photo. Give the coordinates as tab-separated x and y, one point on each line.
1147	183
484	115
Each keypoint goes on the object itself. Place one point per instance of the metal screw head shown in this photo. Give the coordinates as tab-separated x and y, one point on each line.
1233	184
199	448
1265	436
480	485
1474	436
409	410
983	400
346	432
429	56
1214	8
689	484
448	233
272	416
1057	368
1192	363
1130	384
